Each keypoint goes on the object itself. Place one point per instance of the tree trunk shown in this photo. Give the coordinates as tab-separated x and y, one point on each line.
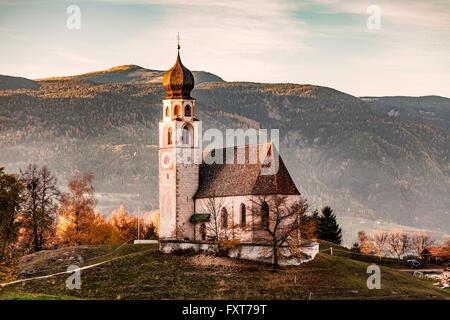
2	252
77	228
275	255
35	237
34	220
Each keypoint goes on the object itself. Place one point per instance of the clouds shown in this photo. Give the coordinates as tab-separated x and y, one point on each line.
323	42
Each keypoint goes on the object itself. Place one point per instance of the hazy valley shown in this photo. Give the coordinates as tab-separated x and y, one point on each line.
384	159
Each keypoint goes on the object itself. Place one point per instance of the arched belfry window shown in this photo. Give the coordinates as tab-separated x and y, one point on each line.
186	136
177	110
167	112
243	215
187	111
264	214
169	136
224	218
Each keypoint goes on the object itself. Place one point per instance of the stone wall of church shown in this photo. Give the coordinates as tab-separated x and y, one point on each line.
236	230
187	185
255	252
167	193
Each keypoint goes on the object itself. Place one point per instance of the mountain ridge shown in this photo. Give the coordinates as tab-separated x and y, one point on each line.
132	74
341	150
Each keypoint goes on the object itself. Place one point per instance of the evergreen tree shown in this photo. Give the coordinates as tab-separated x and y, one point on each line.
328	228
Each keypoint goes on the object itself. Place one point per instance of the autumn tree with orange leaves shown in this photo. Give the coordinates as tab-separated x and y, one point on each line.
78	223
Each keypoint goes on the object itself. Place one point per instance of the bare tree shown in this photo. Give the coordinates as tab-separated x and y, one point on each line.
215	230
378	241
421	241
39	216
31	208
278	222
398	243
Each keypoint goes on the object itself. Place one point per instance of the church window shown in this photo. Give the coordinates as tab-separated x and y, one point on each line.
243	215
224	218
187	111
177	110
186	135
169	136
264	214
167	111
203	231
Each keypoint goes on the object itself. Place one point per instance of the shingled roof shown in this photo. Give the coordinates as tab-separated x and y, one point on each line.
224	180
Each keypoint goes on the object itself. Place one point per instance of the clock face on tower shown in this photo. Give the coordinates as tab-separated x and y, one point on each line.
166	160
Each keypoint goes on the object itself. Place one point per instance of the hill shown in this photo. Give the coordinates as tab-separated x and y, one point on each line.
142	272
133	74
341	150
13	83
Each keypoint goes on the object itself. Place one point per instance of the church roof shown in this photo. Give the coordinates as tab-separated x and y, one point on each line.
224	180
178	81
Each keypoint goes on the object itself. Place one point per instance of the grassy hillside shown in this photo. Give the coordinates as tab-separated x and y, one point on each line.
142	272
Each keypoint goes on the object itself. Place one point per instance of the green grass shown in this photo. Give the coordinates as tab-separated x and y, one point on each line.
145	273
34	296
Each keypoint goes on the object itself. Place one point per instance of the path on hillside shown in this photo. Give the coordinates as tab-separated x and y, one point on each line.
3	285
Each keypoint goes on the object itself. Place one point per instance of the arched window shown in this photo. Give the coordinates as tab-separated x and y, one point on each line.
167	112
224	218
187	111
186	137
243	215
169	136
264	214
203	231
177	110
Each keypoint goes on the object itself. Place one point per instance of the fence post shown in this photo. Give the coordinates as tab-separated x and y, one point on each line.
331	250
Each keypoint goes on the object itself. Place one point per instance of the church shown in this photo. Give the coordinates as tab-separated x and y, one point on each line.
193	189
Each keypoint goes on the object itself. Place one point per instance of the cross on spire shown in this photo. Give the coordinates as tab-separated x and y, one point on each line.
178	40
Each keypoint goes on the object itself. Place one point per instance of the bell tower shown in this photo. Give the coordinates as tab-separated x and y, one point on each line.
180	147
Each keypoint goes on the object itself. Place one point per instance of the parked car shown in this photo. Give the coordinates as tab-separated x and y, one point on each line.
413	263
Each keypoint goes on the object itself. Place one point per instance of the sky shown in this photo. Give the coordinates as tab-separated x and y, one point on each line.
320	42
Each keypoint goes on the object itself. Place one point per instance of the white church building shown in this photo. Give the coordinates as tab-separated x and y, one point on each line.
193	186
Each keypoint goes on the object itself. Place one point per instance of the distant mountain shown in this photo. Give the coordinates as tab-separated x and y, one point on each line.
12	83
132	74
433	110
348	152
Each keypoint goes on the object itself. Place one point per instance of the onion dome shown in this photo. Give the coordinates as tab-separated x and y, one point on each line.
178	81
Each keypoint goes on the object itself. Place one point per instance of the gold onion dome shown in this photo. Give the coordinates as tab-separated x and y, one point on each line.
178	81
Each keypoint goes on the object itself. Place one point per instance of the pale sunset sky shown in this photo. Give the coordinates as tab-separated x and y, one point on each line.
321	42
